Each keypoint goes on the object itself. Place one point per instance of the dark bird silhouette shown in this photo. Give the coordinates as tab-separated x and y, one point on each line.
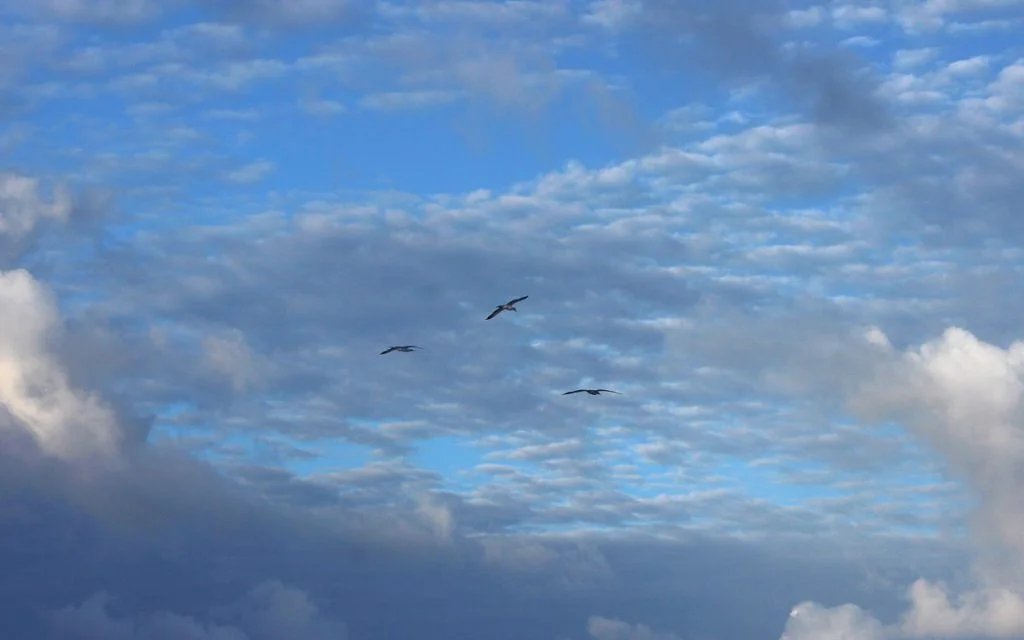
508	306
406	348
593	392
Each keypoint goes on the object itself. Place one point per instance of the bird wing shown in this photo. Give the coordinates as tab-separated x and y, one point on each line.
572	392
411	346
496	311
609	391
517	300
387	351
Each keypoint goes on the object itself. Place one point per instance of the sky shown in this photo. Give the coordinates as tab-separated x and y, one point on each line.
788	233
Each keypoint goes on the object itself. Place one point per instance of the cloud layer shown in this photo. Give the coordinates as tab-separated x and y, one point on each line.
797	260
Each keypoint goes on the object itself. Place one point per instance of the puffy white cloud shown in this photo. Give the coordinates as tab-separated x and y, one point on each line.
988	613
810	621
964	398
34	386
609	629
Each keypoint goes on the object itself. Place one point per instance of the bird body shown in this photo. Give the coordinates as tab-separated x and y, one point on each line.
404	348
593	392
508	306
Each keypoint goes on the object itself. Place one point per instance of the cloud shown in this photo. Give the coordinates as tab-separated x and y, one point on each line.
270	610
398	100
320	107
605	629
158	501
738	39
103	12
290	14
808	621
251	172
964	398
991	613
33	389
199	436
25	208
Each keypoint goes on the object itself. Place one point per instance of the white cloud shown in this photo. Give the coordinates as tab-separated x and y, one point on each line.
287	13
861	41
610	629
89	11
400	100
810	621
802	18
612	14
251	172
965	398
34	388
923	16
905	59
229	355
990	613
321	107
23	207
530	12
849	16
969	66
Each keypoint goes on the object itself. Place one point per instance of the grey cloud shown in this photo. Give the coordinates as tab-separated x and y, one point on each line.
109	13
202	539
31	209
270	610
960	396
738	38
204	542
619	264
292	13
953	182
460	280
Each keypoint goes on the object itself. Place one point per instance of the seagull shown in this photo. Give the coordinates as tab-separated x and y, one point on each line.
508	306
405	348
593	392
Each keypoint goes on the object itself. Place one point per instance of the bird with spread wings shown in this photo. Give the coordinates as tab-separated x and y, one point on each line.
508	306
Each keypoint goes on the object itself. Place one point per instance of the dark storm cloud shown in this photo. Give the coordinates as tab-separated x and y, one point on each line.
162	539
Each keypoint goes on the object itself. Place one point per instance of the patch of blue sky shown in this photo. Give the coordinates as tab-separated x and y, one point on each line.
362	423
176	419
767	484
958	43
301	457
453	458
536	527
325	456
372	149
173	427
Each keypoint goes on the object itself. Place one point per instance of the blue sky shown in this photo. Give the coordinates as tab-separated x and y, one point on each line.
787	232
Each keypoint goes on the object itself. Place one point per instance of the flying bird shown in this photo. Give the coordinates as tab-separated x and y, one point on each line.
593	392
405	348
508	306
